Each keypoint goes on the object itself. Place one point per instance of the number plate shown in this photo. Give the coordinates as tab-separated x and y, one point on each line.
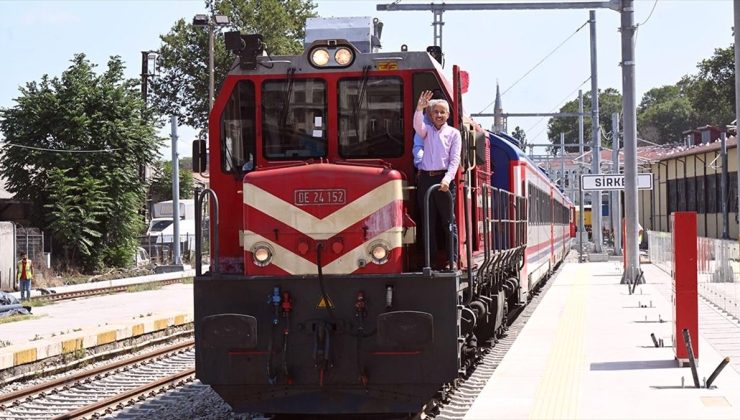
318	197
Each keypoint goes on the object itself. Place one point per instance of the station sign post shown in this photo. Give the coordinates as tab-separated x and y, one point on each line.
614	182
685	294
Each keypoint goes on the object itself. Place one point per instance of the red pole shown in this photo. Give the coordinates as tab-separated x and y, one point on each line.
685	299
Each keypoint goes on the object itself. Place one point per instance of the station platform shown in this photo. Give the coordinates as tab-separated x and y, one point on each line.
71	326
587	353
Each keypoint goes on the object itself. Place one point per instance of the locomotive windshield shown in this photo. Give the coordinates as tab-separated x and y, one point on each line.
370	117
294	118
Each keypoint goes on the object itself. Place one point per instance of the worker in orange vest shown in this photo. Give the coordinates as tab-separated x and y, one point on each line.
25	275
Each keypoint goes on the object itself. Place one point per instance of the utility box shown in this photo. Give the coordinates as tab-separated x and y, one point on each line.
685	297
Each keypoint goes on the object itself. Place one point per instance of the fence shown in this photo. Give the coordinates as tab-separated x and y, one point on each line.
161	247
31	241
718	265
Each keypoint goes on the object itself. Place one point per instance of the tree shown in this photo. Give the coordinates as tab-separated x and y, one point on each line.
712	91
75	209
76	144
161	186
520	135
610	101
182	87
664	113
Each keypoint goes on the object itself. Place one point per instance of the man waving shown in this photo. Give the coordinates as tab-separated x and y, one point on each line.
439	164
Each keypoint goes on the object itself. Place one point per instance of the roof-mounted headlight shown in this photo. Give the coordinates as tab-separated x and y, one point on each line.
343	56
331	53
320	57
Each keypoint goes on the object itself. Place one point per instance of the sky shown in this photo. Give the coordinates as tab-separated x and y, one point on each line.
41	37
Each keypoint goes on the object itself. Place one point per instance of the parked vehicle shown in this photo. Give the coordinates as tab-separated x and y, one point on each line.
162	216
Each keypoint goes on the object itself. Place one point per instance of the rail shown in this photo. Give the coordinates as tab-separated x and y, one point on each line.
52	297
718	265
18	397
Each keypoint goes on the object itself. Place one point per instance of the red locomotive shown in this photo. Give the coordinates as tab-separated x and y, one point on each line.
319	297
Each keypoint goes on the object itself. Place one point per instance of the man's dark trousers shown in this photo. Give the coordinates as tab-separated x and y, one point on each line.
440	212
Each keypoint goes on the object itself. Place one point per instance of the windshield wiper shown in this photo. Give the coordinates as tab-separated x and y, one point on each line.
361	91
286	98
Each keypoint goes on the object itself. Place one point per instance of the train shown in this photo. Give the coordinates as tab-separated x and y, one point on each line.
321	297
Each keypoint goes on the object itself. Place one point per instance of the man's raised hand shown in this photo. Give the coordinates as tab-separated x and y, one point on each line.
424	98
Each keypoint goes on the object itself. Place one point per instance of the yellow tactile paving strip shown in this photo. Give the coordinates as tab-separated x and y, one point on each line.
558	393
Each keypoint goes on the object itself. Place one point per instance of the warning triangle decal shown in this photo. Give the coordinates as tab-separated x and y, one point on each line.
324	303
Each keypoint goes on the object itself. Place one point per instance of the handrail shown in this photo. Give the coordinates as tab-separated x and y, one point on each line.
199	195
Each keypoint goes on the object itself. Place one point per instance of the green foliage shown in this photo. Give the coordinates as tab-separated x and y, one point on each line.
519	134
75	210
712	91
664	113
89	200
182	86
161	187
610	101
707	97
121	239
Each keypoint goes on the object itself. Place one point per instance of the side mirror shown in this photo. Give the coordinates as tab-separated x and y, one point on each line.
200	156
468	146
480	148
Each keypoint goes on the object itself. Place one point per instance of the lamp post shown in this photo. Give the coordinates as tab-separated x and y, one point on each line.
148	70
214	21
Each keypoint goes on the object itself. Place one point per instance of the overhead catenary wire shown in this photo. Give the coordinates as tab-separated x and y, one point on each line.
44	149
637	27
536	65
649	14
566	98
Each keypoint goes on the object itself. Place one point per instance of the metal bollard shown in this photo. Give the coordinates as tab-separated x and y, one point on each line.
716	372
692	361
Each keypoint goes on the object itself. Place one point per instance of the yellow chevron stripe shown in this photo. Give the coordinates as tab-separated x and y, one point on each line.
330	225
294	264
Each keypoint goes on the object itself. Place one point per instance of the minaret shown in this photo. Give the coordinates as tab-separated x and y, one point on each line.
498	117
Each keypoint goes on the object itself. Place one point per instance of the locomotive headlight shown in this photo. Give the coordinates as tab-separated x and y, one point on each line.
319	57
343	56
379	252
262	254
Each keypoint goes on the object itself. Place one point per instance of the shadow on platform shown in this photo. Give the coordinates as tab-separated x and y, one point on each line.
635	364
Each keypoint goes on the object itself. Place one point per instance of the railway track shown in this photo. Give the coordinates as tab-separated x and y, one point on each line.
105	388
53	297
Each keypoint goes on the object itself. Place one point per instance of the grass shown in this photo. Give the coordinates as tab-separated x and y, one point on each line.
75	278
143	287
188	280
35	302
14	318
